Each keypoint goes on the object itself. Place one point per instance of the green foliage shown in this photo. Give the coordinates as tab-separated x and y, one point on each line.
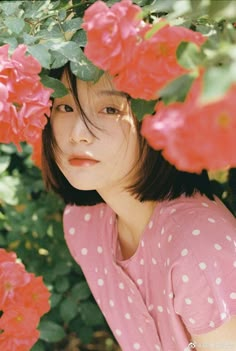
31	225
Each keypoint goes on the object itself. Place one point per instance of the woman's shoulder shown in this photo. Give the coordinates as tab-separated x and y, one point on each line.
197	229
82	216
198	210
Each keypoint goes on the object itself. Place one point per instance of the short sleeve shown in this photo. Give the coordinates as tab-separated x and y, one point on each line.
204	275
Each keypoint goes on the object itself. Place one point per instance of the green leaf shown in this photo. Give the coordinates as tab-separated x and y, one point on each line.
177	90
189	55
8	188
55	299
51	331
62	284
217	81
57	59
4	163
80	37
15	24
72	25
68	309
55	84
84	69
38	346
142	107
40	52
10	7
68	49
81	291
222	9
91	314
85	334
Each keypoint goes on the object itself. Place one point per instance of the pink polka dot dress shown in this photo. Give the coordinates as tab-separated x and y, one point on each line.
181	280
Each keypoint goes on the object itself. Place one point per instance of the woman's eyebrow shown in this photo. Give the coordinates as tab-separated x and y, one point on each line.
113	93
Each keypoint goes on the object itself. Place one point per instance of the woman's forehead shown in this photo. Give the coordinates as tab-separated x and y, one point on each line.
104	83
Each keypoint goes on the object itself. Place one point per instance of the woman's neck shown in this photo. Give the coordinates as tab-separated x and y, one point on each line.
132	218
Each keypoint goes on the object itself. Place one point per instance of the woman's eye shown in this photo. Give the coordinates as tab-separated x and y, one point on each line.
111	110
64	108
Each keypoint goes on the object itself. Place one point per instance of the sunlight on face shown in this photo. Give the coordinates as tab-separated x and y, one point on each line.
104	132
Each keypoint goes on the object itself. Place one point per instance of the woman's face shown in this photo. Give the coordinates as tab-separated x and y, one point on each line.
103	156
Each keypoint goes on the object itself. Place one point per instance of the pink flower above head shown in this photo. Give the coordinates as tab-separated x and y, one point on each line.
155	63
24	64
112	34
192	136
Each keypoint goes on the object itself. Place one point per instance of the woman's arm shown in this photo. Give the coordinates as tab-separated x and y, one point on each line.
220	339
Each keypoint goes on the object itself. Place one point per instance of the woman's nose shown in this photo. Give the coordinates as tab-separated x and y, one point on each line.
80	132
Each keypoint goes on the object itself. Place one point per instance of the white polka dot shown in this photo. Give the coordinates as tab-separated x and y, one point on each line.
184	252
130	299
191	320
111	303
234	264
87	217
127	316
139	281
142	243
159	245
169	238
150	224
99	249
84	251
96	269
218	281
218	247
168	311
121	286
168	262
223	315
98	301
160	308
162	230
211	220
164	292
185	278
101	213
171	295
150	307
111	220
140	330
118	332
228	237
100	282
157	347
105	271
67	211
202	265
204	204
72	231
210	300
196	232
211	324
233	295
173	210
188	301
154	261
142	261
136	346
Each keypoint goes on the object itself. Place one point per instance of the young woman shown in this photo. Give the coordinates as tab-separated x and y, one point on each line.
157	249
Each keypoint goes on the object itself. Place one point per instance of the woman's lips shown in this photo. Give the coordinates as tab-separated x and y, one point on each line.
82	161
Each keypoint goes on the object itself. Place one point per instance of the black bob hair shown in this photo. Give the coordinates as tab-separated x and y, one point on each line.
156	178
